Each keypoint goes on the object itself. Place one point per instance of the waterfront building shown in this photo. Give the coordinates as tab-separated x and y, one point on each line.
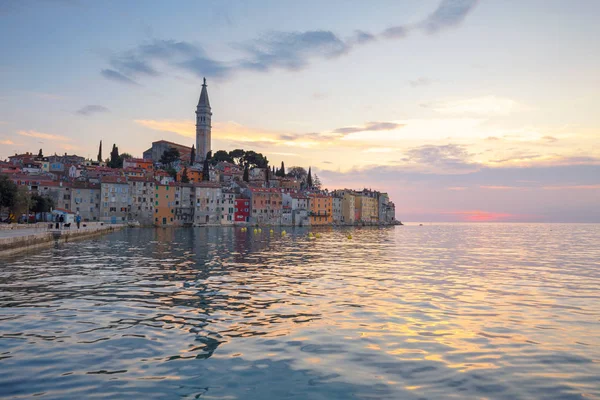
208	197
141	190
184	204
164	205
365	203
228	207
336	209
203	124
85	200
266	205
321	206
115	199
242	210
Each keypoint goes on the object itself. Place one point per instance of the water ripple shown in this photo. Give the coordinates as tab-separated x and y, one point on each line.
497	311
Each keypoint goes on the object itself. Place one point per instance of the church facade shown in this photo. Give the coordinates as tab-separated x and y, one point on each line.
203	125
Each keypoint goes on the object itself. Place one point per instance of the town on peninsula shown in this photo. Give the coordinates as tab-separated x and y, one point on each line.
176	185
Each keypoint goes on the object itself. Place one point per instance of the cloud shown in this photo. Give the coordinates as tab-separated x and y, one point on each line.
369	127
422	81
549	139
448	158
290	51
181	127
7	141
362	37
117	77
92	109
449	13
486	105
41	135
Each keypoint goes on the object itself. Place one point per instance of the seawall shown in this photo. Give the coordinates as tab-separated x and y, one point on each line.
28	239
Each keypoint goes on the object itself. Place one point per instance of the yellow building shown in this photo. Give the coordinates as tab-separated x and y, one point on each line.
366	207
164	205
320	209
348	207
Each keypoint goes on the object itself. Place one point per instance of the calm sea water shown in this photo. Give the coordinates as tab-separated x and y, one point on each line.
497	311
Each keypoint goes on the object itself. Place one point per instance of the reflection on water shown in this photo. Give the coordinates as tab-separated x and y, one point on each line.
503	311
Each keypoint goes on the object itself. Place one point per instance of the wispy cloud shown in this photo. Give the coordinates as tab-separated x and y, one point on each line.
41	135
92	109
6	141
447	158
369	127
117	77
450	13
291	50
274	50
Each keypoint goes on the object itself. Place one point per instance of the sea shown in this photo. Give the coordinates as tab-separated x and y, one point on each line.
431	311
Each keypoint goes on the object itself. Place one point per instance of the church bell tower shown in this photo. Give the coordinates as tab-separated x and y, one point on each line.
203	116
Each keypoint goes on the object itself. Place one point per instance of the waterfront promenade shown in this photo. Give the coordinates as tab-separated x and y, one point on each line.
22	237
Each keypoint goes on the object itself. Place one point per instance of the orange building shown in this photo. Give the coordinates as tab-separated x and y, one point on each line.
138	163
320	209
194	175
164	205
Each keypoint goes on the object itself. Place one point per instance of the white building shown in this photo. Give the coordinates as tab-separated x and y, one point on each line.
115	199
208	197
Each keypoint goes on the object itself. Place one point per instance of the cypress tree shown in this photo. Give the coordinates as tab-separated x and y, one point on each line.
100	152
309	181
193	155
40	154
267	173
282	170
205	171
246	177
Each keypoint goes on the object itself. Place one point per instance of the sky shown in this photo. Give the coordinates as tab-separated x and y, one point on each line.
461	110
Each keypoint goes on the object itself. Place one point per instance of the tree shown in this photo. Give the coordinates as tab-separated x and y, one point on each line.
184	176
40	154
100	152
246	177
169	156
317	183
237	156
220	156
254	159
8	194
282	170
298	173
206	171
267	173
114	158
309	181
172	172
193	155
41	204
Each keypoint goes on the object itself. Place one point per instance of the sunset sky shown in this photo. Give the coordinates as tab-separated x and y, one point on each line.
461	110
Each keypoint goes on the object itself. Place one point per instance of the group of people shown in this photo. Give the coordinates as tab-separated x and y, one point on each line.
60	221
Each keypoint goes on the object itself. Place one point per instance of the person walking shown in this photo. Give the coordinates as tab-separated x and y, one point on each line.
78	220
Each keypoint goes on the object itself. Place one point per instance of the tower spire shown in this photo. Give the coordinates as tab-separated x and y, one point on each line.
203	124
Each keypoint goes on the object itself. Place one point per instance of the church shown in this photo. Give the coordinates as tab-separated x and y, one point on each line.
203	134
